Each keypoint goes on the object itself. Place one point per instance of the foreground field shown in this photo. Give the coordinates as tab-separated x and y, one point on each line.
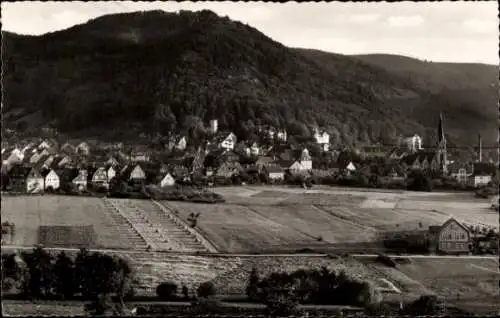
470	284
30	212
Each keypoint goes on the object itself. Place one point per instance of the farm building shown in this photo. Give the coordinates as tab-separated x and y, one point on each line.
451	237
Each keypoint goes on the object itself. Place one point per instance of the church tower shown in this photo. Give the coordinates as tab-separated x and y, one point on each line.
442	155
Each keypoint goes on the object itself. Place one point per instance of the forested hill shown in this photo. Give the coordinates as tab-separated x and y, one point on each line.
159	72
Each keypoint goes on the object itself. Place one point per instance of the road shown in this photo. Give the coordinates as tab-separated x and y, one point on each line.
12	247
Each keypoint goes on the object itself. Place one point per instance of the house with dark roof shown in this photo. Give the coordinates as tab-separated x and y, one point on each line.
25	179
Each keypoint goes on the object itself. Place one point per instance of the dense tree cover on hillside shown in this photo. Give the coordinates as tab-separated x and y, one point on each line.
160	72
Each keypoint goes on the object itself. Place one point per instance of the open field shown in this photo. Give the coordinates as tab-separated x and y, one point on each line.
30	212
236	228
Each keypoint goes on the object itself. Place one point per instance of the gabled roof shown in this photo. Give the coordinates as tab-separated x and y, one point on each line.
273	169
451	220
284	163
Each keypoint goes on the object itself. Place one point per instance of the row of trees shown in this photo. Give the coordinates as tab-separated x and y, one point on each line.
95	277
282	292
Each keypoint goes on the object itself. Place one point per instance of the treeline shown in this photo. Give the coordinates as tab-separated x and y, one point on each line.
104	280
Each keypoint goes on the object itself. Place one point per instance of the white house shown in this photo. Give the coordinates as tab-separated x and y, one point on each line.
479	179
44	145
111	173
52	180
253	150
15	156
167	181
322	138
282	135
181	144
229	142
83	148
81	180
350	167
305	159
413	143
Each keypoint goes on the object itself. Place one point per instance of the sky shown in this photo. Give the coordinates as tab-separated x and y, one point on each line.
435	31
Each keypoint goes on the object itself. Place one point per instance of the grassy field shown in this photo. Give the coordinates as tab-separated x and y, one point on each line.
262	218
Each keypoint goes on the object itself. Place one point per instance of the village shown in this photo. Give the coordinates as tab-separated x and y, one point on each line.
38	165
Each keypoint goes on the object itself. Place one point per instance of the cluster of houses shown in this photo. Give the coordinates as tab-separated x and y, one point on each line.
40	165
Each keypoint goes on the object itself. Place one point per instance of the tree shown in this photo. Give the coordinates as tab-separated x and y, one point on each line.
253	285
14	272
40	264
64	268
206	289
185	292
426	305
166	291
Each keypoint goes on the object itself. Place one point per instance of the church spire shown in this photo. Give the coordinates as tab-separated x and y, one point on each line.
441	147
441	137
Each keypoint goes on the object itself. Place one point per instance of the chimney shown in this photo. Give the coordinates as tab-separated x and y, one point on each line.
480	148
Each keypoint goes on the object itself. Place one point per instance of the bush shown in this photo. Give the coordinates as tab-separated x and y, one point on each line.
204	306
166	291
386	260
206	289
426	305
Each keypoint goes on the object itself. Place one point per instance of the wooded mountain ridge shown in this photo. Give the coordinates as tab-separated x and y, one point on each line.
158	72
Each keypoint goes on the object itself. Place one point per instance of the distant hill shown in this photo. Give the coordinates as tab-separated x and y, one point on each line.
122	74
